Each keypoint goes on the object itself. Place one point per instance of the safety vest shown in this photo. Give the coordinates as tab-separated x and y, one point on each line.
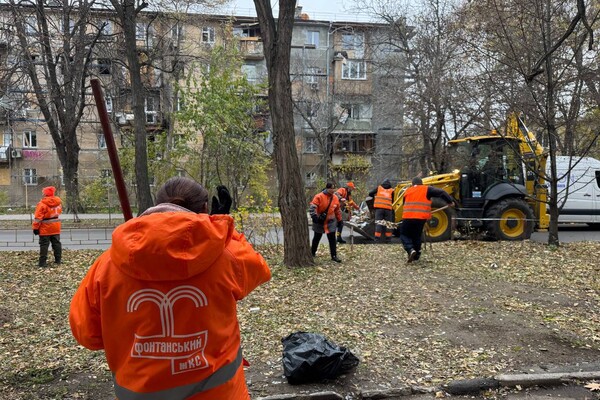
416	203
47	216
383	198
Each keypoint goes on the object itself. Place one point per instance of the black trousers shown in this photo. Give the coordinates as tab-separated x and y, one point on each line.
411	234
330	238
56	248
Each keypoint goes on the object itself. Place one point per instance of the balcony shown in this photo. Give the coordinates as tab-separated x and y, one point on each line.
251	48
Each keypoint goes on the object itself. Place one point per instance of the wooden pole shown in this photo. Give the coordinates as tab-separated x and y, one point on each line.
112	149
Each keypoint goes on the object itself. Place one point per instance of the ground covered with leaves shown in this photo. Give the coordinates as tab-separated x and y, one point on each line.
466	309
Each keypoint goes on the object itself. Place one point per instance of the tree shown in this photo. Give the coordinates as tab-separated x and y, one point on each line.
54	50
536	70
277	38
127	13
224	108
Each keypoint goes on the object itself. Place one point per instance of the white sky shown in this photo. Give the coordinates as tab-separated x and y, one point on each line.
328	10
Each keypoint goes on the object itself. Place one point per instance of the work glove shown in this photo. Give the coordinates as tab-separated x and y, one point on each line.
36	232
221	205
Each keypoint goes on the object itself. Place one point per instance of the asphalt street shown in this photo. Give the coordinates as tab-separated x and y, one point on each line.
100	238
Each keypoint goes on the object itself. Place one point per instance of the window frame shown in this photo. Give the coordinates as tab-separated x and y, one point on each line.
31	141
311	145
311	36
359	73
153	112
208	33
101	141
30	176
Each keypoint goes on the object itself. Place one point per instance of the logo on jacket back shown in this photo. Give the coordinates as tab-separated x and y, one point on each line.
186	351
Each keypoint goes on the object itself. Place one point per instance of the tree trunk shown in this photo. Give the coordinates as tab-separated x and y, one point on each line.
144	197
277	38
551	126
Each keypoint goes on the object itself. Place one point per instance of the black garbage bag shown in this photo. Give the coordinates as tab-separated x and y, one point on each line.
309	357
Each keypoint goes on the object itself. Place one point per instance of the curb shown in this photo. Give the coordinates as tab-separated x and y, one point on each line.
458	387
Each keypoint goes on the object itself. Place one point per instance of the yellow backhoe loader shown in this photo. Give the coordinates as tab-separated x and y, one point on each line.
497	182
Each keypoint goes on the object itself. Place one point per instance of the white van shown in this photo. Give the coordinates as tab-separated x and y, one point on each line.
583	194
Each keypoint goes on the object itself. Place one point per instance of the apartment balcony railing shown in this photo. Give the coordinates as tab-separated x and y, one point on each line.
251	48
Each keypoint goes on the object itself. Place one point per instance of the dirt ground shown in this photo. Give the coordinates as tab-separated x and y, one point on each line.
465	310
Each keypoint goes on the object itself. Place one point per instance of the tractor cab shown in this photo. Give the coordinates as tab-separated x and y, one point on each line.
484	162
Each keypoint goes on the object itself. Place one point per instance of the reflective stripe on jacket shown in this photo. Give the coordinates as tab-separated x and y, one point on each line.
383	198
161	302
416	203
47	216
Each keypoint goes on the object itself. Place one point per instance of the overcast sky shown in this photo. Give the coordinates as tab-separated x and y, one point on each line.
336	10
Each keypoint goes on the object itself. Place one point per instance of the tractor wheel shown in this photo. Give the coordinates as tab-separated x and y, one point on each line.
439	227
510	219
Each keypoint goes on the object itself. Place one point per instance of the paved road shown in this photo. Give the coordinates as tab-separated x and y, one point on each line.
100	238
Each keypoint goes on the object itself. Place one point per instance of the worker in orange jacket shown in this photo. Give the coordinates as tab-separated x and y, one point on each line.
161	301
325	213
415	213
344	194
46	224
383	200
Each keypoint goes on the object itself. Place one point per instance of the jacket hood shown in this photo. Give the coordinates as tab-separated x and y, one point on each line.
167	245
52	201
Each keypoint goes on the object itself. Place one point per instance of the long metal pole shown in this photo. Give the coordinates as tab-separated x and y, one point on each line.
112	149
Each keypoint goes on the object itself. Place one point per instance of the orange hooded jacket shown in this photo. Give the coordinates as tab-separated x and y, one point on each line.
46	216
161	302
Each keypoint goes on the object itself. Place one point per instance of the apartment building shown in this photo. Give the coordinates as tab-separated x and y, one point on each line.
332	72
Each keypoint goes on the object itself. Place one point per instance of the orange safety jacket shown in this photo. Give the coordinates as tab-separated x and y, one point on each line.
161	302
383	198
416	203
331	204
342	193
47	216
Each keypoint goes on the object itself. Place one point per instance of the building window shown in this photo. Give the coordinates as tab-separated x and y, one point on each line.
311	177
29	140
30	176
251	73
177	33
30	25
311	109
312	75
108	101
151	110
179	103
208	34
352	110
352	41
101	141
104	66
246	32
178	139
106	28
312	38
140	31
354	69
311	145
105	173
354	143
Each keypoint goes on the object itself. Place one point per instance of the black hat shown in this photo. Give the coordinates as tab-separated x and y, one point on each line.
417	181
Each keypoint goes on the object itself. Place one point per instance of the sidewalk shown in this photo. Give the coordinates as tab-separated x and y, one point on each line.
564	382
64	217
